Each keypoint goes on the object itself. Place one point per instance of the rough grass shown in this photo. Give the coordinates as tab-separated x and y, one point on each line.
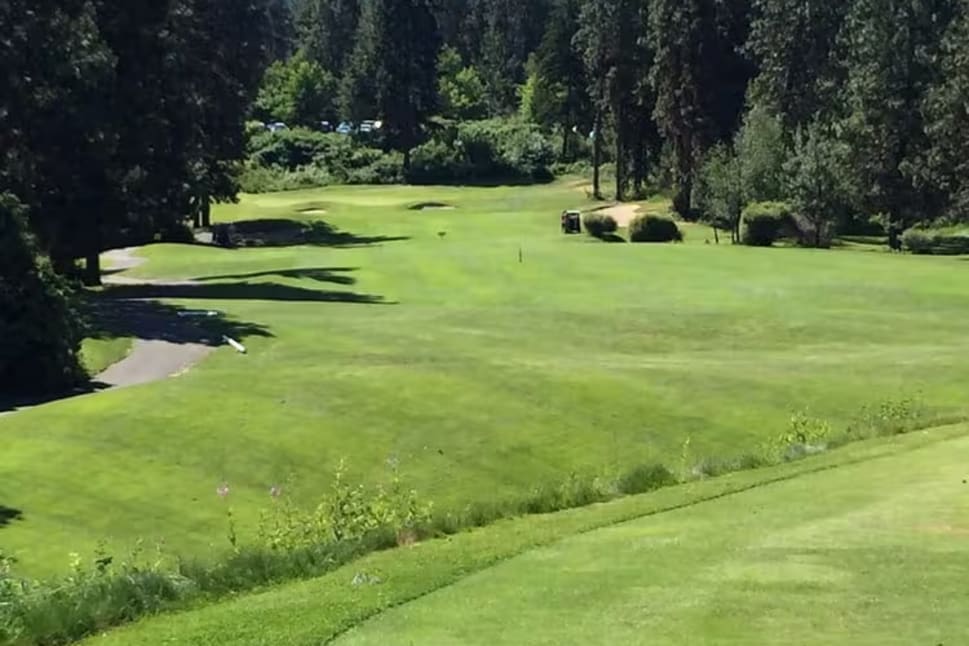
789	554
486	377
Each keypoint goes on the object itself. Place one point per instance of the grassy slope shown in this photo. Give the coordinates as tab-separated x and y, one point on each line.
484	376
875	553
98	354
793	554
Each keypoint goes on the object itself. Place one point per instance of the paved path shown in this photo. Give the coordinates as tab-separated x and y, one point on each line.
154	359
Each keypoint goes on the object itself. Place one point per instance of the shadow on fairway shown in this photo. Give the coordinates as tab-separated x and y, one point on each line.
290	233
240	291
111	318
8	515
335	275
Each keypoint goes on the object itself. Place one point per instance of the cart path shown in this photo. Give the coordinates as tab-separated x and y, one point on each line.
154	359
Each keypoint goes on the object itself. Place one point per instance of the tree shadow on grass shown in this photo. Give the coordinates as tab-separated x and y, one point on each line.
320	274
239	291
289	233
8	515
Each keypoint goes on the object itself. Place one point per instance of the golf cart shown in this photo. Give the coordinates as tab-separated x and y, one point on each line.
571	222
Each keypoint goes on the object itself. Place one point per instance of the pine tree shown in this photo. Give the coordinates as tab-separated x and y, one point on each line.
793	44
407	53
946	163
891	51
326	31
358	87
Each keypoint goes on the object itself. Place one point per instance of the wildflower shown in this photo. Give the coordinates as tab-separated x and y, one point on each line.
223	490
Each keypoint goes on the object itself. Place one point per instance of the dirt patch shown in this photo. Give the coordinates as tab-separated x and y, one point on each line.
432	206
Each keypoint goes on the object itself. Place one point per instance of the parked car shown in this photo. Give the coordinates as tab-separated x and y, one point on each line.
277	126
326	126
345	128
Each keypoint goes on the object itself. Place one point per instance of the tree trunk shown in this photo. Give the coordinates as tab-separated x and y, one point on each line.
92	269
196	213
620	158
681	201
596	156
206	212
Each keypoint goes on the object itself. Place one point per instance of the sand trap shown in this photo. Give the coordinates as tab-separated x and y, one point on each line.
314	212
623	214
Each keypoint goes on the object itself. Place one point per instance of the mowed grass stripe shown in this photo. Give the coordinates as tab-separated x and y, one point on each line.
324	609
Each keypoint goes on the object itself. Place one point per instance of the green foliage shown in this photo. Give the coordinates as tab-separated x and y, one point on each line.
805	435
461	89
720	190
297	92
765	222
926	240
599	225
762	151
891	417
654	228
485	151
646	478
39	335
348	513
818	183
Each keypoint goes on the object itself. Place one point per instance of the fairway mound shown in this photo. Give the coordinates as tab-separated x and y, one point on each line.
432	206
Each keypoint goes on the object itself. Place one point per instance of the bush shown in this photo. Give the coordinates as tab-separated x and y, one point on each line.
291	149
260	179
494	150
764	223
600	225
937	242
654	228
646	478
39	334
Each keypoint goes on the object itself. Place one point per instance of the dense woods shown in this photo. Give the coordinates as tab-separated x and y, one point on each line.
121	122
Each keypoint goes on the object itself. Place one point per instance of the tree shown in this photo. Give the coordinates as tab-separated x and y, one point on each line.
461	90
818	185
408	47
39	337
762	152
720	190
891	51
561	98
297	92
358	87
676	31
793	44
946	111
326	29
597	20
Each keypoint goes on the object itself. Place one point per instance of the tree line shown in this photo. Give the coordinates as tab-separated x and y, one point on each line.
121	122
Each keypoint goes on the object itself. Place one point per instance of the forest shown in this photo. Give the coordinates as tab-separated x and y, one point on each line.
122	122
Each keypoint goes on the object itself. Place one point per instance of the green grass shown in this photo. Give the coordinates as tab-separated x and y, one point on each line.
831	550
98	354
484	376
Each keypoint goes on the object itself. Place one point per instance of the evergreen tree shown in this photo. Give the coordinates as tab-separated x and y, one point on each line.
793	44
358	88
39	337
946	162
892	49
327	30
408	47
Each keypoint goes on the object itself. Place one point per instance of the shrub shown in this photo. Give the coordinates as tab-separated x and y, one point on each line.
764	223
291	149
654	228
937	242
39	335
484	151
599	225
646	478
